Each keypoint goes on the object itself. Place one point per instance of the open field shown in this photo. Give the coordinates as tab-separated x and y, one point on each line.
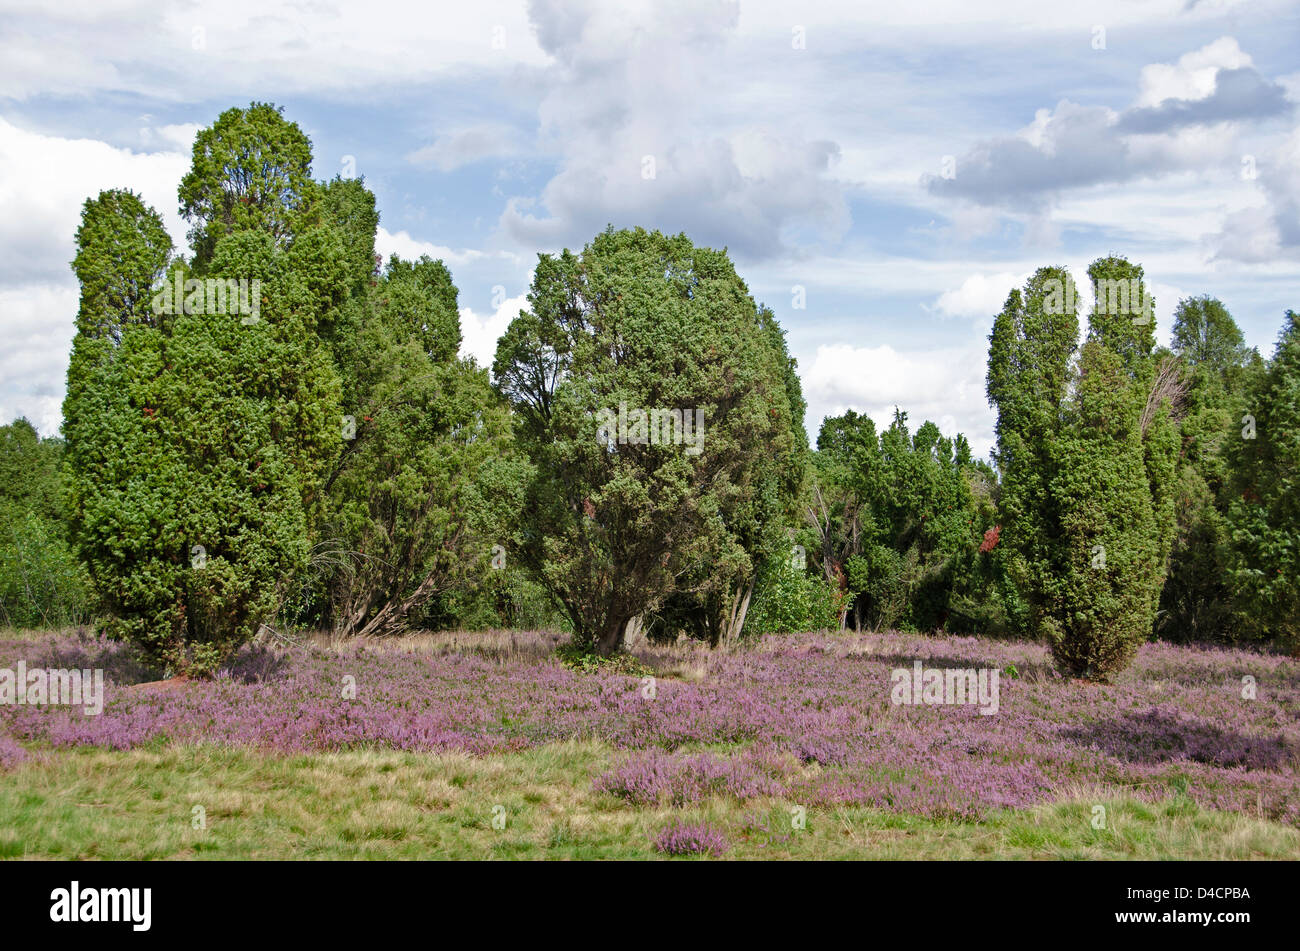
485	745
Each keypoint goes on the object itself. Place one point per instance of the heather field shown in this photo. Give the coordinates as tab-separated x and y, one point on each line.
479	745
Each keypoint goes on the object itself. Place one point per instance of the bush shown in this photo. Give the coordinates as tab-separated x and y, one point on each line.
42	584
788	600
700	839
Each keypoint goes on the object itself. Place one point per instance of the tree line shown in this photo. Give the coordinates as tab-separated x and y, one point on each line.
278	430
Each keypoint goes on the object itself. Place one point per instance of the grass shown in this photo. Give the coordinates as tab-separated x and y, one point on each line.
141	804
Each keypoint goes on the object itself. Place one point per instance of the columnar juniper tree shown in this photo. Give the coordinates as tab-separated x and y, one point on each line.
1087	450
1030	350
614	522
1264	515
198	434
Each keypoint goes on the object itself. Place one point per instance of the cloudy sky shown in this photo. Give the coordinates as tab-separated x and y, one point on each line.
882	173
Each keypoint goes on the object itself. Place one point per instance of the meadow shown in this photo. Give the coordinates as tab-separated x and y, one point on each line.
477	745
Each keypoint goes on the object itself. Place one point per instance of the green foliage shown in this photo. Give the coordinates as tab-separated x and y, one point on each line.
1087	450
1196	603
612	529
584	660
713	606
896	519
408	495
1264	513
197	442
251	171
787	600
1205	335
41	582
122	251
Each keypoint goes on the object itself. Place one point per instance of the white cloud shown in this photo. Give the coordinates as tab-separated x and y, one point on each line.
486	141
943	385
44	181
410	248
980	296
641	145
480	332
182	52
1193	76
38	322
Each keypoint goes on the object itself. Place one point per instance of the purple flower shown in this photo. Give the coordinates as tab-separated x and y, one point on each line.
697	839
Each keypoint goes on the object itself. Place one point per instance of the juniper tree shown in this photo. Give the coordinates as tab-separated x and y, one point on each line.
251	171
1196	603
614	522
197	441
1264	513
1087	449
410	496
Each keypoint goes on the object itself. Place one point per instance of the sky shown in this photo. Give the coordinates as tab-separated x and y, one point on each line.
882	174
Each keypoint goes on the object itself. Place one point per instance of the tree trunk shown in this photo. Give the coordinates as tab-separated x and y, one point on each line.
391	619
735	620
635	633
610	639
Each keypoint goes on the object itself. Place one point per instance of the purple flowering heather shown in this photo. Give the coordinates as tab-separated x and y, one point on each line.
698	839
808	719
676	779
11	753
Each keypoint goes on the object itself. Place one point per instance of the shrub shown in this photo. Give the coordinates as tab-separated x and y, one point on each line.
697	839
788	600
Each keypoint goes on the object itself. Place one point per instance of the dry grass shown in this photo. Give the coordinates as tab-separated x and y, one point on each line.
367	804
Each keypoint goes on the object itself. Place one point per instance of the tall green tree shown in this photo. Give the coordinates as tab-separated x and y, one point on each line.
1264	514
409	503
198	442
1087	449
251	171
1031	348
642	330
1196	603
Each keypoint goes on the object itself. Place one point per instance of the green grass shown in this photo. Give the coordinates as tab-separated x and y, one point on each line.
140	804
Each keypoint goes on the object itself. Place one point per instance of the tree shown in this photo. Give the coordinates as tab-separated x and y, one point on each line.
41	581
1087	450
1205	335
713	605
895	516
1264	514
1196	603
1030	352
651	401
122	251
251	170
198	442
408	507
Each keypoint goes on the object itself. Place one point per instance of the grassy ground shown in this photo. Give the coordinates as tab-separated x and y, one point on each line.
141	804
